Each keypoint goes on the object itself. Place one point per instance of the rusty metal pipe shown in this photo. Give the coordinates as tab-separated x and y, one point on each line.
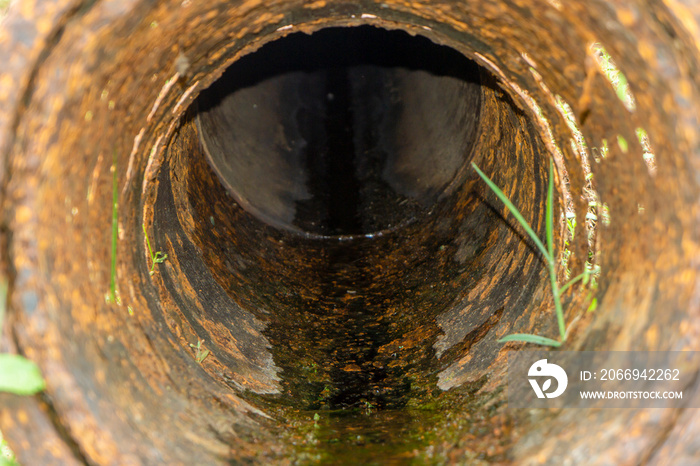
238	157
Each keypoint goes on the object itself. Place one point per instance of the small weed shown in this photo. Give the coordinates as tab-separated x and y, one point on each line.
614	75
648	152
594	304
18	375
622	142
547	253
325	394
566	255
606	215
157	258
311	368
4	6
571	226
7	458
200	353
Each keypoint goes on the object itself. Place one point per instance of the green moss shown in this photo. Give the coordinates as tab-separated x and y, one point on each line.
7	457
4	6
422	432
622	142
615	76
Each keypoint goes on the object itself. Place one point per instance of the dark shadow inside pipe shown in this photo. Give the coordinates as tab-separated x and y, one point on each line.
343	132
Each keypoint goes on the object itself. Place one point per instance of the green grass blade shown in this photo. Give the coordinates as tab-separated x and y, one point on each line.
115	232
148	242
556	295
150	251
593	306
19	375
556	292
581	276
547	252
528	338
516	213
550	211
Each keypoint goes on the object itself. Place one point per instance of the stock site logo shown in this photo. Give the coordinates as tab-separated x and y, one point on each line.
542	369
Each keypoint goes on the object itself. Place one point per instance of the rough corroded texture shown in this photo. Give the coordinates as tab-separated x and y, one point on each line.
405	322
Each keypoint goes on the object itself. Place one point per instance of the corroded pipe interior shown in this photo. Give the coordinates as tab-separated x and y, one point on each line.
356	280
344	271
345	217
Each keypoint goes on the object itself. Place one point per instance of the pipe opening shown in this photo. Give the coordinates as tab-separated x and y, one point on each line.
349	250
369	289
347	131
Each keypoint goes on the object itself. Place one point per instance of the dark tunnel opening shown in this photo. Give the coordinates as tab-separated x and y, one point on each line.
347	131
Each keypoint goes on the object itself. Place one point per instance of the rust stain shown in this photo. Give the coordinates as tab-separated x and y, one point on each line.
76	84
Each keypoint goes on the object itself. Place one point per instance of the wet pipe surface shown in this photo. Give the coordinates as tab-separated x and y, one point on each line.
276	309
